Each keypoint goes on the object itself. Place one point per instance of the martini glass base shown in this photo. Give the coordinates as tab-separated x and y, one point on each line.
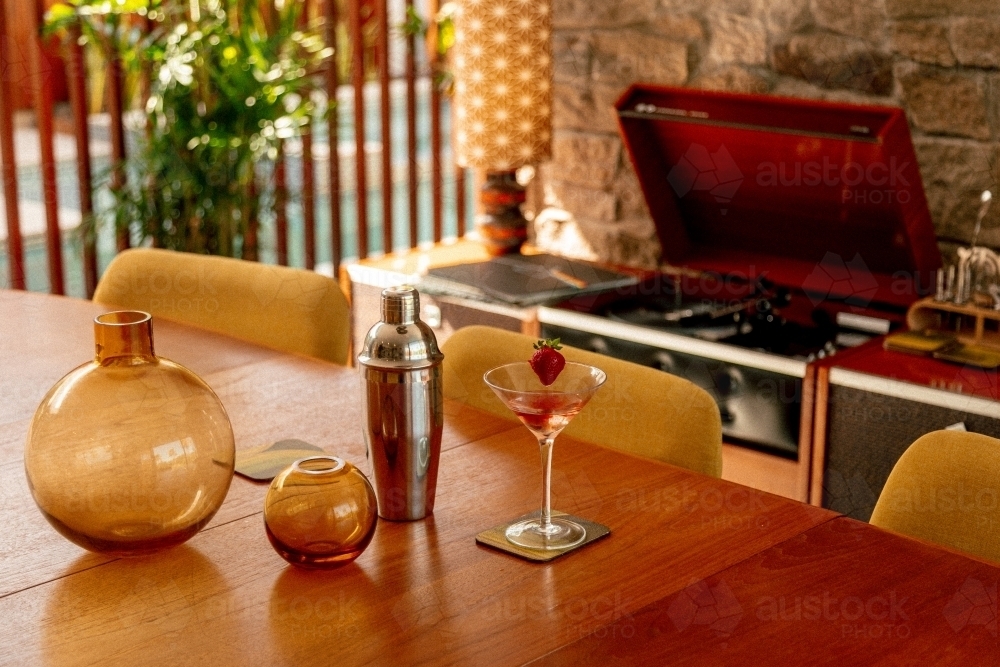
561	534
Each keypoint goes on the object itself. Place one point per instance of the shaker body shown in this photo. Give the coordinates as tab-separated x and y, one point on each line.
403	402
404	414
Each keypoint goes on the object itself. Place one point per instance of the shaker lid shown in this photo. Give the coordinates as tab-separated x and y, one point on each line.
400	305
400	341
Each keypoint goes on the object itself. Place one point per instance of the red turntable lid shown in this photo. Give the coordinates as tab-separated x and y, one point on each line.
816	196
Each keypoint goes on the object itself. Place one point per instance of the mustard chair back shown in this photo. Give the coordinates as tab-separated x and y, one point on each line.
639	410
946	489
291	310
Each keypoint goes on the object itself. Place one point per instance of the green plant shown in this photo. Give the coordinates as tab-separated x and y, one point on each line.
227	83
444	31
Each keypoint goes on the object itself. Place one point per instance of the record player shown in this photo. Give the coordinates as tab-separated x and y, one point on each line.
792	230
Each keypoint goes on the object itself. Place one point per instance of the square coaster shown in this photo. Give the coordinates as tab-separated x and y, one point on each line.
496	537
262	463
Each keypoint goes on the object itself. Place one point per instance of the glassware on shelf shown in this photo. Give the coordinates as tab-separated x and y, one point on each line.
320	512
546	411
129	453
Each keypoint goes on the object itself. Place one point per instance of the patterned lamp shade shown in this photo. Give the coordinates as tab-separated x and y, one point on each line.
503	83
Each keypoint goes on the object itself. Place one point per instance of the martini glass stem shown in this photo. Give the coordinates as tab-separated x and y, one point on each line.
545	447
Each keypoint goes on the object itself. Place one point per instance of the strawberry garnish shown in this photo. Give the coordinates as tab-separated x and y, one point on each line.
547	361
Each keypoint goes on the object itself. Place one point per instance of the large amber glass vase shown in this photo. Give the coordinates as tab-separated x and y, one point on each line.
130	453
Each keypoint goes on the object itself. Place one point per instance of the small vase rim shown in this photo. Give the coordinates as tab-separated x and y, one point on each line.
336	464
137	317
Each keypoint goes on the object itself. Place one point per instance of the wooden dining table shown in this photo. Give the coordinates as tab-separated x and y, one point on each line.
696	570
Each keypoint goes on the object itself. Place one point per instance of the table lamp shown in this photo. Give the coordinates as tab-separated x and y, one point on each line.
503	106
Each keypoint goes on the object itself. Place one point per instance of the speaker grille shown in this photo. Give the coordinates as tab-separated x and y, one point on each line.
866	435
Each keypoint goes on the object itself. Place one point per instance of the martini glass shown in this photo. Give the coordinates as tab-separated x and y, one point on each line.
546	411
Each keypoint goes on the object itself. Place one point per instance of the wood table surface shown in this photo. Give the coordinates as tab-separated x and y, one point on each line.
695	571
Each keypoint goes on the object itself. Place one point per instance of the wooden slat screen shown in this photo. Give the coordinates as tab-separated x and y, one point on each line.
369	40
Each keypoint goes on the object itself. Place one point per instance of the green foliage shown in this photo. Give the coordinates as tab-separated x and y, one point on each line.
444	22
225	87
414	25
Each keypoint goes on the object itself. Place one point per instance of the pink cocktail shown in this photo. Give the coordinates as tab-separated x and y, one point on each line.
546	411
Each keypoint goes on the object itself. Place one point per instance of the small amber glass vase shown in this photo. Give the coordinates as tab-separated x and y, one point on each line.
320	512
130	453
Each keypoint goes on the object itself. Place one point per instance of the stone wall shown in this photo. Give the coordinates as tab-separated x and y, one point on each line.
938	59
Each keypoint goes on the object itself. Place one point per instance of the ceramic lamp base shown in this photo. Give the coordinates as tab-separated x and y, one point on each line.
502	226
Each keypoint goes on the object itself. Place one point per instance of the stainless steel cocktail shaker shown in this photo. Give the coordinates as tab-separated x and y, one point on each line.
403	406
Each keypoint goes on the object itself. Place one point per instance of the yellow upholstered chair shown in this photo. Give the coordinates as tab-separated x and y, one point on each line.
291	310
946	489
638	410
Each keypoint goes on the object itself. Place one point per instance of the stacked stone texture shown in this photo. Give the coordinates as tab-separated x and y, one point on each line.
938	59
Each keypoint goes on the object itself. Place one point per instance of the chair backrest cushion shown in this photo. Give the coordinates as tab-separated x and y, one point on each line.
946	489
639	410
292	310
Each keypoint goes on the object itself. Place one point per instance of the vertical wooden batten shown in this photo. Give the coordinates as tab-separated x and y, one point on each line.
270	17
251	244
41	76
77	79
460	204
309	200
411	132
145	91
308	176
280	208
15	244
332	83
434	59
115	100
386	119
358	81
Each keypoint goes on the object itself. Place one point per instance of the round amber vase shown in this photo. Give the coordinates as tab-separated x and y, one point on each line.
320	512
130	453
